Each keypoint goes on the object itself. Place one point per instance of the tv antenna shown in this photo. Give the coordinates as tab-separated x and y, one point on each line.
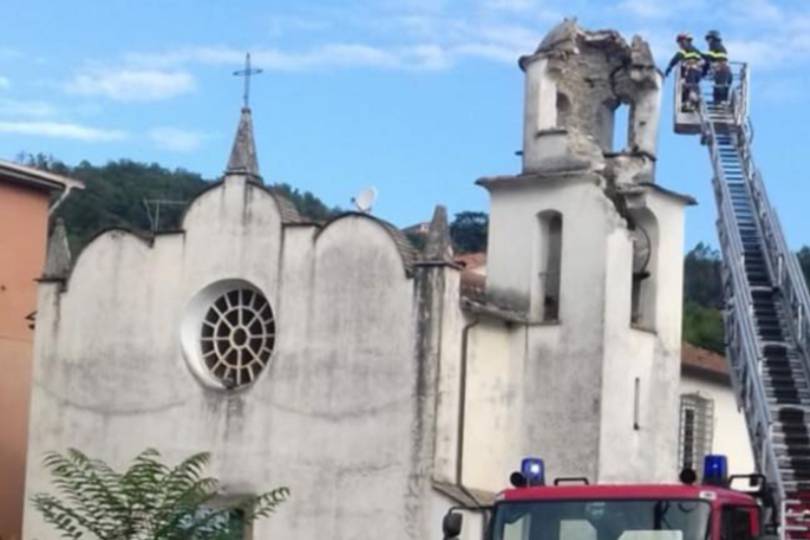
154	216
364	200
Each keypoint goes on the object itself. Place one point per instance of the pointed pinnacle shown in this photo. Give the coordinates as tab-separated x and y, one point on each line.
57	259
243	154
438	246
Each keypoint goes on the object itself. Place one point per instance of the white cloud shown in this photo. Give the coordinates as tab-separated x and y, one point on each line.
62	131
330	55
518	6
279	24
129	85
761	54
645	9
756	11
176	139
497	53
501	43
4	83
199	55
26	109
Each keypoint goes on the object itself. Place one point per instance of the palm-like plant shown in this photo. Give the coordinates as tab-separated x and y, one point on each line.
150	501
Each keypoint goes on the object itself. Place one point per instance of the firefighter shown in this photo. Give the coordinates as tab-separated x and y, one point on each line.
691	61
717	62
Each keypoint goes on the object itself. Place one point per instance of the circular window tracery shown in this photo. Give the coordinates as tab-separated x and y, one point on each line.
237	336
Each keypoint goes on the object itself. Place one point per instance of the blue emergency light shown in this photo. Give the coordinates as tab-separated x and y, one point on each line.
715	470
534	471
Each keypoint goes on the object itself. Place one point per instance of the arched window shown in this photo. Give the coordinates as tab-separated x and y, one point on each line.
563	110
644	234
613	126
621	128
549	264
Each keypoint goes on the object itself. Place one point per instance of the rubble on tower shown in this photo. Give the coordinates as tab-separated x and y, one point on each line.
593	73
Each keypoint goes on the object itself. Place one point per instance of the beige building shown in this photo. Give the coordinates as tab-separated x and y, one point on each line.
710	421
25	200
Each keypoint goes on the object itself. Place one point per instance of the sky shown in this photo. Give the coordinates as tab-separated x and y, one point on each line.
418	98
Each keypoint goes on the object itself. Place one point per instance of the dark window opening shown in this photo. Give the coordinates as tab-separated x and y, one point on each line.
563	110
550	265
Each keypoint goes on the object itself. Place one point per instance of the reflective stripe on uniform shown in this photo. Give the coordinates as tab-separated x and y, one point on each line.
717	55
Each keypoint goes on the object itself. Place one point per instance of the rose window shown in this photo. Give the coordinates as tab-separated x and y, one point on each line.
237	336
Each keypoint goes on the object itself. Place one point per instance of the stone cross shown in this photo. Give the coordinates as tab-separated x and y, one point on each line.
247	73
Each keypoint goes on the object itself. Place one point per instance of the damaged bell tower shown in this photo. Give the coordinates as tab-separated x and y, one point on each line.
575	82
587	251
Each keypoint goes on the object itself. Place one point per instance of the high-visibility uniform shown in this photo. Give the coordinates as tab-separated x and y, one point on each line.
688	56
690	59
717	60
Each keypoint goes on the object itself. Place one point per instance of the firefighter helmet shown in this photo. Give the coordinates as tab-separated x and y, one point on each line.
713	35
683	36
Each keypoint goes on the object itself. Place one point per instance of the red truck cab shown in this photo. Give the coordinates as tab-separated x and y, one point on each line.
572	509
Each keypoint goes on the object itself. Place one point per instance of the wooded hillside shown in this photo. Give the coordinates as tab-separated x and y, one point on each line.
149	197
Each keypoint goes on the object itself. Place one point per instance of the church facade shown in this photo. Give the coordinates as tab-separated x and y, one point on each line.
339	361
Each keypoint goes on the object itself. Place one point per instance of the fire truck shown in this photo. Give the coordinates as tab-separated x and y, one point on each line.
572	509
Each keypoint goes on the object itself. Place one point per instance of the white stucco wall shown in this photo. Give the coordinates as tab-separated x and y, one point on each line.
494	430
576	381
730	433
651	355
340	415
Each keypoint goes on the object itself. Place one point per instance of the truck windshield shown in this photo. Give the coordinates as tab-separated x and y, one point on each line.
602	520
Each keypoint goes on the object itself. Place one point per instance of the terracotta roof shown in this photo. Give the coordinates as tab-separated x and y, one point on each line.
418	228
703	361
473	284
37	178
470	261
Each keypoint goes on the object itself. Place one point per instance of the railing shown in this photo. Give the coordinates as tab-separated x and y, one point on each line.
787	273
743	346
739	93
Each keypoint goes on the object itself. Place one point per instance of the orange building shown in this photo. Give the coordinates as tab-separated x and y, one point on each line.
27	197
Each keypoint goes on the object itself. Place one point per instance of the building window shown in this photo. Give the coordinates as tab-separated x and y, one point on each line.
696	431
644	285
237	336
563	110
550	265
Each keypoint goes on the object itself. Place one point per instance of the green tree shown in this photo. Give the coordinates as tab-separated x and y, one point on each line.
307	204
702	282
703	327
149	501
118	193
469	232
123	193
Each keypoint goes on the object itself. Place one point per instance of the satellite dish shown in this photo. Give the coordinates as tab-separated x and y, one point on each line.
365	199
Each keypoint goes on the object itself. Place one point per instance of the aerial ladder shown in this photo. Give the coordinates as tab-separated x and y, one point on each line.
767	305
